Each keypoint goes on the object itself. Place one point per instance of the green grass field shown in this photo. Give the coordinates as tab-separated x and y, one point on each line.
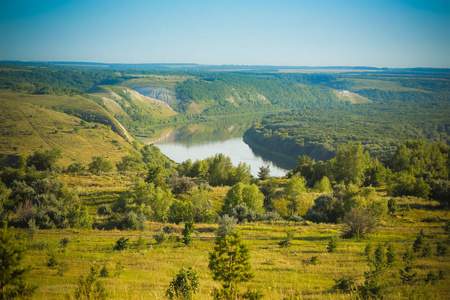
281	273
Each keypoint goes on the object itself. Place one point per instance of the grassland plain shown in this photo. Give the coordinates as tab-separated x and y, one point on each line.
281	273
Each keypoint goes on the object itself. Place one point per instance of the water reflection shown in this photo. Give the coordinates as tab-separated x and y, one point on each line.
199	141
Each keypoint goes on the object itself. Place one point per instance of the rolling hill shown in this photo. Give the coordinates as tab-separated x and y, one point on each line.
30	122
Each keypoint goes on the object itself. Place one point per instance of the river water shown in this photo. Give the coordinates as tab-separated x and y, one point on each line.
200	141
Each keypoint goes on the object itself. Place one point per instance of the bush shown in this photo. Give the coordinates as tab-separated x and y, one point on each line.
99	165
90	287
184	285
160	236
76	167
344	284
122	244
333	243
187	231
360	221
104	210
133	221
227	225
286	242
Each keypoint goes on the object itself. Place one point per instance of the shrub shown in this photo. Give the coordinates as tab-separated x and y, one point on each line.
184	285
406	274
104	210
441	248
133	221
104	272
227	225
187	231
100	164
333	243
122	244
392	205
344	284
76	167
419	242
286	242
160	236
360	221
90	287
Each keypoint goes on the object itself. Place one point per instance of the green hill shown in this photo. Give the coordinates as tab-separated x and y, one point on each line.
30	122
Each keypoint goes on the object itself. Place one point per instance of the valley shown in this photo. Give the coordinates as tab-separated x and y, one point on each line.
128	173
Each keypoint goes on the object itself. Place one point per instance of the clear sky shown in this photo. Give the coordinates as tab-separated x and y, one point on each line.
378	33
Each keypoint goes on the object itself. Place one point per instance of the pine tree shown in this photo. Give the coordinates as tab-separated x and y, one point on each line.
229	263
12	274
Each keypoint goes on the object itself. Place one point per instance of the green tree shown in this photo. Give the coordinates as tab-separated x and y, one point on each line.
156	176
269	190
187	232
264	172
44	160
184	285
294	188
99	165
229	263
12	274
246	195
350	164
323	185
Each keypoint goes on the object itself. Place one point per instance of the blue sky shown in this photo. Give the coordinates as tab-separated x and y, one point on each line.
378	33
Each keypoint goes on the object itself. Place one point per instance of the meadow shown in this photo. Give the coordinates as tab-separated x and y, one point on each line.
304	270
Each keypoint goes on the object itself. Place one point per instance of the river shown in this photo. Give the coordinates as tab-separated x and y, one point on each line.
203	140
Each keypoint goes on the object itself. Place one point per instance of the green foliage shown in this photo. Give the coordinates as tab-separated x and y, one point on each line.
99	165
264	172
52	261
104	210
293	189
156	176
419	242
181	185
391	254
104	272
90	288
128	163
229	262
269	190
12	275
406	274
160	236
122	244
323	185
286	242
350	164
392	205
441	248
133	221
333	243
360	222
246	195
374	286
227	225
44	160
76	167
119	269
344	284
187	232
181	211
184	285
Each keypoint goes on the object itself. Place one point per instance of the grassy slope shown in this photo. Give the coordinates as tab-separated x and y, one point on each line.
27	125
